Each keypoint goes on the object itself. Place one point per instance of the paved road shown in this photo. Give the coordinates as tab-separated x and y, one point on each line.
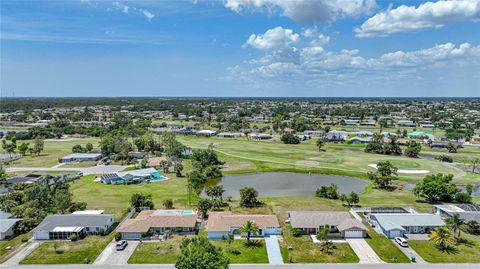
273	250
21	254
409	252
111	256
262	266
363	250
99	169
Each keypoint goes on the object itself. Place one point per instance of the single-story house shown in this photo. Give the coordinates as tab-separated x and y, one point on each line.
407	123
6	225
316	133
28	179
342	224
336	135
81	157
206	133
467	212
133	176
61	227
444	144
360	140
220	224
393	225
418	134
351	122
230	135
159	221
254	136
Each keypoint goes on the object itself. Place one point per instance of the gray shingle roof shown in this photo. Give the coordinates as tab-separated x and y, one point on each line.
396	221
50	222
6	224
315	219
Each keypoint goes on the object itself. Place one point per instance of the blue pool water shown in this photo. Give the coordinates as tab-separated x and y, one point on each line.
157	177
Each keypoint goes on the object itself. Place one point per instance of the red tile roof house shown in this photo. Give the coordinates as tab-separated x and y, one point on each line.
159	221
220	224
342	223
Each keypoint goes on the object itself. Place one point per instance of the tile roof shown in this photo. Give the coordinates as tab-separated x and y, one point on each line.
224	221
147	219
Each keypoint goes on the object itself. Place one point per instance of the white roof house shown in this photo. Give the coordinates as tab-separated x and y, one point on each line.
81	157
88	212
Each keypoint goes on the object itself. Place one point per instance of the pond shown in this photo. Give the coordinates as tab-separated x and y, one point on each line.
282	184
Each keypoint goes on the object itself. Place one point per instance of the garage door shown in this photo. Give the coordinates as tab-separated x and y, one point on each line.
395	233
353	234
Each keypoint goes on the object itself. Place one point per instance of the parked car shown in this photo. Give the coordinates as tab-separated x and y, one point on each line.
401	241
122	244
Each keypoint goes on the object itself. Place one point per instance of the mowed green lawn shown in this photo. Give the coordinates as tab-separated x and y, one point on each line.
385	248
465	252
167	252
67	252
15	243
336	159
116	198
53	150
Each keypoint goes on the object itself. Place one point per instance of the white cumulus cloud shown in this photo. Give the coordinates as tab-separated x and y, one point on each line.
306	11
427	15
275	38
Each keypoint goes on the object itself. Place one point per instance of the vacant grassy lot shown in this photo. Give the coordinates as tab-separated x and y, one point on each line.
53	150
467	251
116	198
67	252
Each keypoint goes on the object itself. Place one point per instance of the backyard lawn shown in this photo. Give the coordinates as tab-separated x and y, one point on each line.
465	252
67	252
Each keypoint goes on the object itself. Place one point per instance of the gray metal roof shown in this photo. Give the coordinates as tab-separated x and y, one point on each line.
396	221
6	224
94	220
83	155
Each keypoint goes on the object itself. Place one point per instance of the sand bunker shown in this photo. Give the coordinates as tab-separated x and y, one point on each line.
405	171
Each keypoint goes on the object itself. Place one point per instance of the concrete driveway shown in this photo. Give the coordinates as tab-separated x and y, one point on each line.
409	252
363	250
273	250
113	257
22	253
99	169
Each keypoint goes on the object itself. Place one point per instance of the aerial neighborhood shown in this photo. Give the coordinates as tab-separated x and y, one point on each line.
259	181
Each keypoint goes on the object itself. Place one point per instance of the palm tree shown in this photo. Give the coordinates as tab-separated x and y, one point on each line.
249	228
454	223
320	144
441	237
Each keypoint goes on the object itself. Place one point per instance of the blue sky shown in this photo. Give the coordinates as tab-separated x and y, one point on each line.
240	48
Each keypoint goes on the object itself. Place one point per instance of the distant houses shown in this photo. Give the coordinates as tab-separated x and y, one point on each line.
81	157
467	212
220	224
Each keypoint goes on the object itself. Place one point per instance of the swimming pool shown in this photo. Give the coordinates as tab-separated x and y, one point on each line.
176	212
157	176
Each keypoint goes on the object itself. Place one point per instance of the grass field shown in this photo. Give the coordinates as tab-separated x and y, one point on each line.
465	252
67	252
15	243
116	198
53	150
336	159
